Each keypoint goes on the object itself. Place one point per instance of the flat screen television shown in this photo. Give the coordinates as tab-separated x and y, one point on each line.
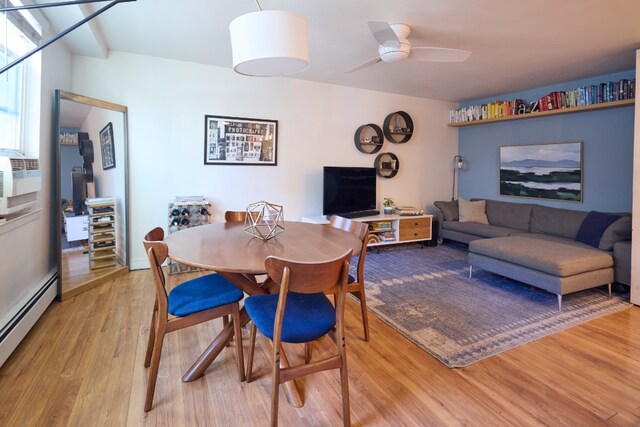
349	191
79	183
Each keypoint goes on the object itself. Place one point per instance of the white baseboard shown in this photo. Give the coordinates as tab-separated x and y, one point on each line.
139	264
29	311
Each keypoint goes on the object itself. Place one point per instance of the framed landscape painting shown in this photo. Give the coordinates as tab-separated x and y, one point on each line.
240	141
543	171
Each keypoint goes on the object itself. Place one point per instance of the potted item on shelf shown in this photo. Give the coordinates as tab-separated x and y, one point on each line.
387	205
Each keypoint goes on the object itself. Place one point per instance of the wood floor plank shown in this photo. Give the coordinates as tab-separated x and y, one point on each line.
82	364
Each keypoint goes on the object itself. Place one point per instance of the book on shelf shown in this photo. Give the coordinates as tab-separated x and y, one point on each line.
387	236
380	225
587	95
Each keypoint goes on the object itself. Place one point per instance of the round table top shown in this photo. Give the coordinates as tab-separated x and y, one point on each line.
226	247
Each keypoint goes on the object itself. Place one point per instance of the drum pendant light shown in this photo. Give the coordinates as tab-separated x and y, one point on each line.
269	43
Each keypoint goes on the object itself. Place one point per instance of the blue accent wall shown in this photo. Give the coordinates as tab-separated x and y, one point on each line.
607	137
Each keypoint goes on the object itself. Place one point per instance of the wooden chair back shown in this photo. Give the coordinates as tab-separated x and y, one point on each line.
235	216
357	288
157	252
360	230
309	278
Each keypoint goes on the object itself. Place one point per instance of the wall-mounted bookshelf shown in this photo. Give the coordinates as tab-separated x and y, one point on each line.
568	110
600	96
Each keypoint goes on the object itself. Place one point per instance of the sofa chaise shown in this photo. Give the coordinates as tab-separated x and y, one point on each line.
559	250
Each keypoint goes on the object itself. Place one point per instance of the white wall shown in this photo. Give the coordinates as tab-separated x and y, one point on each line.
28	252
167	102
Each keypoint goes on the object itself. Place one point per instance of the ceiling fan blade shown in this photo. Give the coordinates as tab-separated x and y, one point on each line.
383	32
439	54
365	64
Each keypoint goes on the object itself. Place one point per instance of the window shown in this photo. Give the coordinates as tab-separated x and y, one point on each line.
19	86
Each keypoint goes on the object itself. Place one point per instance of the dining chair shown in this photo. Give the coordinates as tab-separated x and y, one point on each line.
189	303
234	216
301	313
356	284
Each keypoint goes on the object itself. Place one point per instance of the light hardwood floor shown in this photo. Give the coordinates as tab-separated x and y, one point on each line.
78	277
82	365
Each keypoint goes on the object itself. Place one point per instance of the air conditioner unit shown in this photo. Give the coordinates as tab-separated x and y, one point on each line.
20	181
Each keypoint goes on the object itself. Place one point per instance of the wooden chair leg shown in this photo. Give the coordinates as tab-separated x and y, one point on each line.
235	314
252	345
153	373
365	313
152	337
275	385
307	351
225	322
344	383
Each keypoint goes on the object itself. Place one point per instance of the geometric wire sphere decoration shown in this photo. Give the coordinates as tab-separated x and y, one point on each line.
264	220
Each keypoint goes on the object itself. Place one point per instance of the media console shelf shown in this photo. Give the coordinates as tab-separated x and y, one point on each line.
391	229
601	106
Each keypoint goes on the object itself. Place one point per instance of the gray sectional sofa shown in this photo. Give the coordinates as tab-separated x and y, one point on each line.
537	245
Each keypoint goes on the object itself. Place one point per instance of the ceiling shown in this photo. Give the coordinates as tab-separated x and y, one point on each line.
516	45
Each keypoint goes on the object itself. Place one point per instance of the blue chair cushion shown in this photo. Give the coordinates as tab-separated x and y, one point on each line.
352	279
306	316
201	294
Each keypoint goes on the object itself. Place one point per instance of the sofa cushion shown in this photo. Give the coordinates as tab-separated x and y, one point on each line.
550	238
510	215
475	229
557	222
619	231
448	209
554	258
472	211
593	227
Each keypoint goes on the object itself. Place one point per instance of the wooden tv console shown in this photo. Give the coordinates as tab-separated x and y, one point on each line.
391	229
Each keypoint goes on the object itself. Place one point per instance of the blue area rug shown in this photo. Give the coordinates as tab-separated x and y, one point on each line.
427	296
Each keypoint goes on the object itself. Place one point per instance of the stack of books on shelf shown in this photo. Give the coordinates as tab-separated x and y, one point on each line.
583	96
380	225
387	236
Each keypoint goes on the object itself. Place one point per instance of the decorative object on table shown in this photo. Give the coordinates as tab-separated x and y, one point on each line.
386	165
387	205
107	147
186	212
398	127
458	164
460	320
264	220
269	43
240	141
369	138
544	171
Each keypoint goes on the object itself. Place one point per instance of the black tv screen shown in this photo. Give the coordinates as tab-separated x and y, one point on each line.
348	189
79	183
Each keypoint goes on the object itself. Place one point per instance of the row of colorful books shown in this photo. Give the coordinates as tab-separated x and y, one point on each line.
587	95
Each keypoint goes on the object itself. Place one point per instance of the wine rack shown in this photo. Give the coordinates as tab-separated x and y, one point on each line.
102	229
186	212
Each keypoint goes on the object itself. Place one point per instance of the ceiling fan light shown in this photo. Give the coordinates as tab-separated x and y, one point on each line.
269	43
394	54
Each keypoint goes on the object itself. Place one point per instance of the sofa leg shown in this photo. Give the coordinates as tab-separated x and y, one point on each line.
609	289
559	302
470	271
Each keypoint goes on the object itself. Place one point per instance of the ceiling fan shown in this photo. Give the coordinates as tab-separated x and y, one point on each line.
395	47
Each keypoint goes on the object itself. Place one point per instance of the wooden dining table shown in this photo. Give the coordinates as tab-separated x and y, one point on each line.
238	256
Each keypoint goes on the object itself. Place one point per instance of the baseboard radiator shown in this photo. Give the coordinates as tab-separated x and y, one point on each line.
27	314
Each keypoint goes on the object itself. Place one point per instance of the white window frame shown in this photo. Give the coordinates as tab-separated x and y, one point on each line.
26	138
